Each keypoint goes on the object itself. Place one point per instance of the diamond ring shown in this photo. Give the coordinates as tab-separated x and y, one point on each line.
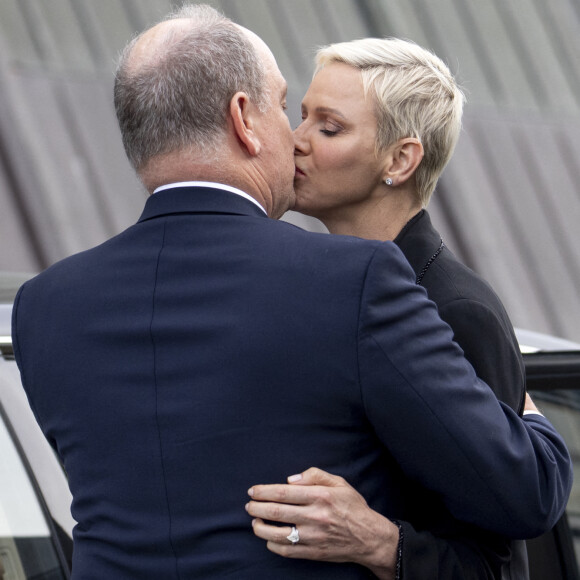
294	536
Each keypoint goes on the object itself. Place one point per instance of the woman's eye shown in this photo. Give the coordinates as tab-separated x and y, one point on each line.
330	128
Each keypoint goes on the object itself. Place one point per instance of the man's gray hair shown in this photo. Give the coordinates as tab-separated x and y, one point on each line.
178	97
414	94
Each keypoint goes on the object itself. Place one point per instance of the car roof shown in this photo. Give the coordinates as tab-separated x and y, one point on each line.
531	342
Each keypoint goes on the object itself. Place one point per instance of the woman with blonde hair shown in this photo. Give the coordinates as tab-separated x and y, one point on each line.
380	121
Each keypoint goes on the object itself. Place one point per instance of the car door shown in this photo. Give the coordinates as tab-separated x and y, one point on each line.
553	380
30	546
35	521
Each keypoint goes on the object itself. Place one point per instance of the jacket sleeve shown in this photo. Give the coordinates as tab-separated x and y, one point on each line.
490	346
458	551
473	556
444	426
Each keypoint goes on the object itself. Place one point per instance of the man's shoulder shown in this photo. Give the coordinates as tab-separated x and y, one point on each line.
339	247
337	240
60	276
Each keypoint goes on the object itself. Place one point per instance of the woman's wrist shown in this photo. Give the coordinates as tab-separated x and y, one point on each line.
383	556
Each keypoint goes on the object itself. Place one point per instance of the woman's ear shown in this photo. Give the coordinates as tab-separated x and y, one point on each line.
243	117
403	160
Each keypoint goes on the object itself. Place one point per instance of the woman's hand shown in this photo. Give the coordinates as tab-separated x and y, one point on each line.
530	406
333	520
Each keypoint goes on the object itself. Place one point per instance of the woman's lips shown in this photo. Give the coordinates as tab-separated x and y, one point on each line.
298	172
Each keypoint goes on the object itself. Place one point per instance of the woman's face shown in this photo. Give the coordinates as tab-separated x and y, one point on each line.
337	169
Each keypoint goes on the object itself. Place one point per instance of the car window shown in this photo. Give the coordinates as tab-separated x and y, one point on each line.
26	546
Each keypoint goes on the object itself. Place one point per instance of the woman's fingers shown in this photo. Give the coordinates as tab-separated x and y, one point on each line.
278	534
270	533
281	493
275	512
332	520
316	476
277	540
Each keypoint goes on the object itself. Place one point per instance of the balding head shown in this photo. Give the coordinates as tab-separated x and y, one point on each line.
175	81
150	48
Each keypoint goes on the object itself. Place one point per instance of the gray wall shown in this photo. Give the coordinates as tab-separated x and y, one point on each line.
508	204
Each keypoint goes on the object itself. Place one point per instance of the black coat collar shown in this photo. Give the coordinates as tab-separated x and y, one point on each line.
420	242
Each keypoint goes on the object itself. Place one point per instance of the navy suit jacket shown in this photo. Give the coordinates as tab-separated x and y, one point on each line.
209	348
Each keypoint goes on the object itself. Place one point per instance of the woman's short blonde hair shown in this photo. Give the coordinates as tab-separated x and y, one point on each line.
415	95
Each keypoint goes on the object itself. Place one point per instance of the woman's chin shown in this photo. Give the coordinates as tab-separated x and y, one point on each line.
303	207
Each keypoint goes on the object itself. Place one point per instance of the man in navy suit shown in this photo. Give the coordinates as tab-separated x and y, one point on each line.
209	347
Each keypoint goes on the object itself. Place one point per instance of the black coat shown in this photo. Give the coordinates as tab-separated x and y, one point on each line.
483	330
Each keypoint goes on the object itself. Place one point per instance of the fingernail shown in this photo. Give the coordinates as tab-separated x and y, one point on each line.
251	492
247	506
294	478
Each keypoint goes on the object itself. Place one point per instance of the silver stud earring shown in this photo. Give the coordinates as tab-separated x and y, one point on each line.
389	181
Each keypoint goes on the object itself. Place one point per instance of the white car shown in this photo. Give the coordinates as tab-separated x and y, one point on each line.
35	521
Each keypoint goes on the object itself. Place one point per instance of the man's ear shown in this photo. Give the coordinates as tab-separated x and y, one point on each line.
243	116
403	159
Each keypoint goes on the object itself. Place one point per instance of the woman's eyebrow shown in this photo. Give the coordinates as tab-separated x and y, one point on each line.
329	110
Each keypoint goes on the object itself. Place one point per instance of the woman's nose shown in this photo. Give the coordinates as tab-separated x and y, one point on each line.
300	142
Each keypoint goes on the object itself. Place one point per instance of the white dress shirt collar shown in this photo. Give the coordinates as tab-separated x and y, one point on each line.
215	186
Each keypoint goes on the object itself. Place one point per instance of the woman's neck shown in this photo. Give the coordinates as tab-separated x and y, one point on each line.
381	220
